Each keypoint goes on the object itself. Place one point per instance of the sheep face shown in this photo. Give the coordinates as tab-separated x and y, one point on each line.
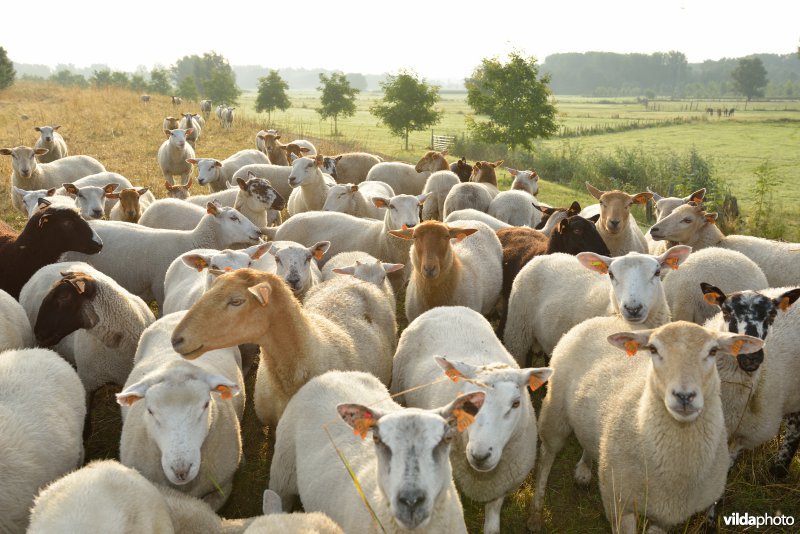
682	224
665	206
294	263
178	191
635	278
66	309
341	198
412	448
177	414
683	357
329	166
525	180
403	210
177	137
258	195
64	229
374	273
47	133
615	207
462	169
303	169
129	203
433	161
208	170
30	199
432	253
575	234
225	261
23	159
91	200
231	226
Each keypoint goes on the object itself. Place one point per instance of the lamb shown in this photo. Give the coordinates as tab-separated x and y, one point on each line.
132	203
53	142
179	191
494	456
205	108
191	122
15	328
186	433
174	153
515	208
689	224
27	174
43	409
616	225
656	430
350	168
524	181
48	234
297	341
227	117
539	310
106	319
465	273
438	185
138	257
405	179
31	200
462	169
471	214
91	193
309	186
362	266
418	490
356	200
278	176
261	145
218	174
297	264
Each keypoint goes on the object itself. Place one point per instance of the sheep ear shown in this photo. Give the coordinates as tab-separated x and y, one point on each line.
656	196
711	218
256	251
422	198
271	503
594	218
195	261
392	267
594	262
405	233
674	256
596	193
189	131
133	393
574	208
353	188
319	249
380	202
261	292
697	196
167	132
455	369
787	299
461	413
512	172
227	388
630	342
168	185
534	176
242	183
545	210
212	209
345	270
193	161
109	188
641	198
43	219
70	188
360	418
534	377
459	234
142	190
36	128
712	294
736	344
41	151
43	203
217	163
497	163
5	151
563	226
56	127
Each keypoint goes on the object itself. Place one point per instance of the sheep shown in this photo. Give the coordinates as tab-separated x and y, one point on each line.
48	234
170	123
189	121
89	193
406	476
106	319
104	496
464	196
656	429
405	179
174	153
462	169
464	273
351	167
548	211
144	99
301	147
309	186
297	264
515	208
471	214
53	141
219	110
524	181
483	172
205	108
179	191
541	310
43	409
132	203
15	328
183	435
663	207
176	101
227	117
297	341
307	523
138	257
31	200
616	225
362	266
439	185
493	456
272	147
27	174
218	174
173	214
689	224
356	200
278	176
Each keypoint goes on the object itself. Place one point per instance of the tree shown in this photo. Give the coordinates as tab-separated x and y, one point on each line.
213	76
159	82
120	79
187	89
138	83
407	104
515	98
749	77
101	78
272	94
222	88
67	78
357	80
338	98
7	72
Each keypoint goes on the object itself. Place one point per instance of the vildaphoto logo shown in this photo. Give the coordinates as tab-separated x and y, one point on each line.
765	520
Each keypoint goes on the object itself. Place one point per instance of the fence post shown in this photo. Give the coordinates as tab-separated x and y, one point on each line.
431	138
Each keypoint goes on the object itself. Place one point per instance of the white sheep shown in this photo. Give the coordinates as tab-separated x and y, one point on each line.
138	257
190	121
219	110
307	523
438	185
27	174
173	214
173	155
515	208
416	492
309	186
475	215
356	200
15	328
467	195
219	174
553	293
91	193
297	264
205	108
50	139
227	117
493	456
106	319
689	224
186	433
43	408
464	272
132	204
616	225
278	176
351	167
656	429
31	203
362	266
343	323
405	179
524	181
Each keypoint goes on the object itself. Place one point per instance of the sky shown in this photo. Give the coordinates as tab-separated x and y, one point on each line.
440	39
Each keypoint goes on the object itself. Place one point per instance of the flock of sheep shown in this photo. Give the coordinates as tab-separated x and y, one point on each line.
707	322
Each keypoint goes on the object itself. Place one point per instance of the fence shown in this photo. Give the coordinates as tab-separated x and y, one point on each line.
441	142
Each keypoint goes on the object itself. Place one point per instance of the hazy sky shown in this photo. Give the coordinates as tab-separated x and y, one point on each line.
439	39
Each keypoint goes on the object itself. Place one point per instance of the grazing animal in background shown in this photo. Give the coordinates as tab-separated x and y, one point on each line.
144	99
205	108
462	169
227	117
176	101
53	142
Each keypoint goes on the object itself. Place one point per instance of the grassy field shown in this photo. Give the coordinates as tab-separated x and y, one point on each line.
125	135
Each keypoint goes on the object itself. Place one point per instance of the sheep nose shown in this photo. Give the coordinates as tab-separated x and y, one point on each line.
480	458
614	223
750	362
633	311
429	272
181	471
97	213
685	398
177	341
654	230
411	498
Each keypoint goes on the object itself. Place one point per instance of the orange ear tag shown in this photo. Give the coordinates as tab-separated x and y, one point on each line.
601	266
784	304
453	374
631	347
463	419
200	265
736	347
225	392
711	298
534	382
362	426
672	262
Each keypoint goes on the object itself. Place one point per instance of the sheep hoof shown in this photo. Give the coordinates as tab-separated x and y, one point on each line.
535	523
583	474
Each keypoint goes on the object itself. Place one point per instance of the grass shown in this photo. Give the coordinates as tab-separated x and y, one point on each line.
125	135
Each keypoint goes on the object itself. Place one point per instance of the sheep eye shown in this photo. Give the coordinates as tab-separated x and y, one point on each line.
611	275
278	260
236	302
652	349
515	404
712	352
234	218
150	412
205	406
577	231
447	438
391	207
658	272
686	221
376	439
308	259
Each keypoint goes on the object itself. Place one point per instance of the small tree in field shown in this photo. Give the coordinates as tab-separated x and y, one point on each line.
515	98
187	89
7	72
272	94
749	78
159	82
221	87
407	105
338	98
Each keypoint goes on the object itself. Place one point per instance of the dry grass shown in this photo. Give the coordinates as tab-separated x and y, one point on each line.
125	135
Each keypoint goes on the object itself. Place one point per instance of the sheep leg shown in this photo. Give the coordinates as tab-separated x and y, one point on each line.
789	444
491	522
627	524
168	178
87	421
583	470
546	459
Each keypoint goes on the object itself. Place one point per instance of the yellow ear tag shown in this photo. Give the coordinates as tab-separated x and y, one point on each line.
534	382
711	298
463	419
672	262
601	266
318	254
225	392
453	374
784	304
736	347
200	265
631	347
362	426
